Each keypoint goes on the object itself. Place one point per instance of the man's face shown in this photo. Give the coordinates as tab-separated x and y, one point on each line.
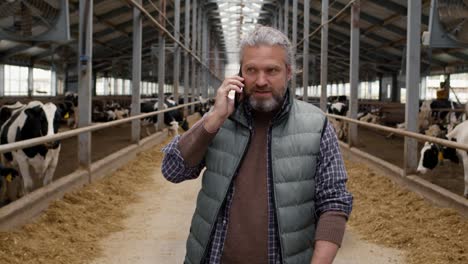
265	76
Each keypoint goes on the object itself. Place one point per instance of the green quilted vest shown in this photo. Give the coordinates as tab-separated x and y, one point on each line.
295	143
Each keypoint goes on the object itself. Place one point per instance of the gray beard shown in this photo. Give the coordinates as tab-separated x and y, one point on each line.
264	105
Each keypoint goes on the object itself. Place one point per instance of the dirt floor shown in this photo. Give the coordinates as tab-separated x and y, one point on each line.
387	214
158	227
448	176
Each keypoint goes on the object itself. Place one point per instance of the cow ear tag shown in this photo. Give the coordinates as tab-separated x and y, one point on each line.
67	115
8	177
441	156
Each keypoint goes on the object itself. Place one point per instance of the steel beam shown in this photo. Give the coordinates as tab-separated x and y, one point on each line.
294	42
194	61
286	14
2	80
305	53
30	80
85	75
324	56
280	18
204	56
176	50
161	66
200	69
413	60
186	54
136	72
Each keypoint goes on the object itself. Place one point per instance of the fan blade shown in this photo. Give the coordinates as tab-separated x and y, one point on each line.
37	13
7	8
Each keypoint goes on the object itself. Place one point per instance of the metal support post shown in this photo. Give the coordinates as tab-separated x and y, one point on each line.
136	72
186	54
305	52
413	60
205	56
294	42
161	65
324	56
85	75
194	61
280	18
176	50
354	72
200	68
286	14
30	81
2	80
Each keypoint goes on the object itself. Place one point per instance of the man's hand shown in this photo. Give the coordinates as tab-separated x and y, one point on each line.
324	252
224	106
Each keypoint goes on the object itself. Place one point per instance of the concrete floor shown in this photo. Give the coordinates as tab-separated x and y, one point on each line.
158	226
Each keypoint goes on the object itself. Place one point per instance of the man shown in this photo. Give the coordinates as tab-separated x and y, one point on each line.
274	186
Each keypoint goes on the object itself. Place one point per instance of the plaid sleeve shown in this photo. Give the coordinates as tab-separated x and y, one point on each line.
331	176
174	168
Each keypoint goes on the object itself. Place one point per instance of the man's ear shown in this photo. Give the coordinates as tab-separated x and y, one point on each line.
289	72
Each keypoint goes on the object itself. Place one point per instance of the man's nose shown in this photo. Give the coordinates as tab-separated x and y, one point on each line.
261	79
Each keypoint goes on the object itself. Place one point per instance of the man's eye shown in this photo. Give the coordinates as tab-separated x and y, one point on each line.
250	70
273	71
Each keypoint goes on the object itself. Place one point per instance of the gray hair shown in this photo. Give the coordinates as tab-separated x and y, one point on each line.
263	35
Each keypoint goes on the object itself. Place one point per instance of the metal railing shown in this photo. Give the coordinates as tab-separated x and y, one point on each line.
75	132
406	133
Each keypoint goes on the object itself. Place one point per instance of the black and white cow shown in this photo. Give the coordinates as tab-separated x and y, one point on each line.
34	120
175	115
338	108
6	111
10	185
431	154
149	106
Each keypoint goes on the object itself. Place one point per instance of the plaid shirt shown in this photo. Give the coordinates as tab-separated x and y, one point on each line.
331	194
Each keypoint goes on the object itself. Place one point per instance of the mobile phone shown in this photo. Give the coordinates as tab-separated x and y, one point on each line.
237	96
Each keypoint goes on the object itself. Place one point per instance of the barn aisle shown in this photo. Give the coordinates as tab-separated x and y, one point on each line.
157	227
159	224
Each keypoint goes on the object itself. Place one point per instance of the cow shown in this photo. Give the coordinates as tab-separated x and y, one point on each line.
341	127
149	106
432	154
10	185
68	113
176	115
337	108
71	99
34	120
173	129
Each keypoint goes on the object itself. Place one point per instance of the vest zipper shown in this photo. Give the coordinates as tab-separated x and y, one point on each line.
270	164
225	193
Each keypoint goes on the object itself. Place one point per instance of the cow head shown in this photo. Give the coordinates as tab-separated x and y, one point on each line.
431	155
41	120
429	158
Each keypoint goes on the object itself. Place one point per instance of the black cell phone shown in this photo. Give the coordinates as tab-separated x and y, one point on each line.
237	98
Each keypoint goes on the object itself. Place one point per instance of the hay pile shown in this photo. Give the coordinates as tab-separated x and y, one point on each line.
69	231
387	214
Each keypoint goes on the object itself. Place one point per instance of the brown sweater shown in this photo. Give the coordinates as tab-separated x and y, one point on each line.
247	235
